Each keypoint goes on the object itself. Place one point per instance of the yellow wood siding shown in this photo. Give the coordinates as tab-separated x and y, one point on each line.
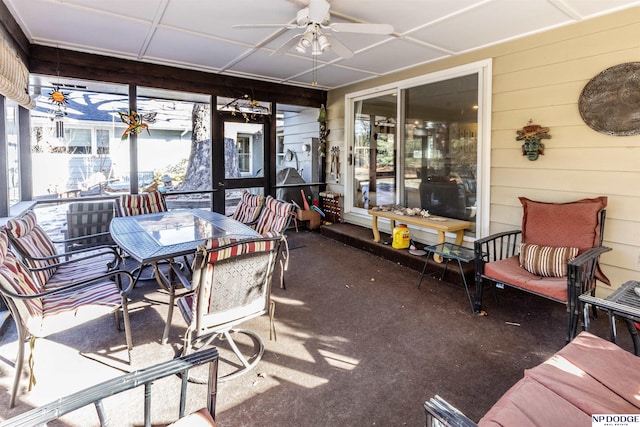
541	77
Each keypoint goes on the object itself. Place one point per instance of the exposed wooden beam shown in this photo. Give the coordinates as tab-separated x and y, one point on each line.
72	64
11	31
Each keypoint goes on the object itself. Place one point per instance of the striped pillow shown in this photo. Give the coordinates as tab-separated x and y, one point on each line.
274	216
139	204
546	261
249	207
32	240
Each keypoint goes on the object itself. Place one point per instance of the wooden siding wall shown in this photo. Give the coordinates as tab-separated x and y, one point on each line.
300	128
541	77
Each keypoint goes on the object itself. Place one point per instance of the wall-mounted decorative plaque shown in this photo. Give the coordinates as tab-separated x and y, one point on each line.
610	102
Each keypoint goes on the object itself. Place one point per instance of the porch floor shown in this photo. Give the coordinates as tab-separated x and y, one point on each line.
358	344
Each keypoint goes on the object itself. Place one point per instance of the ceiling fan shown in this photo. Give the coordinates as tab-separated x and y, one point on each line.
314	19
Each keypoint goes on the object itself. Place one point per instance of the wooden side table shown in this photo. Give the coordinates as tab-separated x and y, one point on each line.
624	303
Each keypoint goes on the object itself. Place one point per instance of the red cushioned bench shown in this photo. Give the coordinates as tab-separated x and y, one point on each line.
588	376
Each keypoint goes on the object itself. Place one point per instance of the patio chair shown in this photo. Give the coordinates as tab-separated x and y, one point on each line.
556	258
249	207
50	268
231	283
88	225
41	310
275	217
140	204
145	378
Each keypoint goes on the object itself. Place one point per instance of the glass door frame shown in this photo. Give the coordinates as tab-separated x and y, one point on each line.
219	181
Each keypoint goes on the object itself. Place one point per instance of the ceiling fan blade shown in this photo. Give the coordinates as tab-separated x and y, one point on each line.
287	46
287	26
361	28
339	48
318	10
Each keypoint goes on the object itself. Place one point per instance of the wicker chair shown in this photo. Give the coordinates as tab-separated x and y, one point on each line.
40	310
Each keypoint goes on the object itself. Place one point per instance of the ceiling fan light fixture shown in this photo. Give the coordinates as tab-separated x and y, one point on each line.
323	42
306	41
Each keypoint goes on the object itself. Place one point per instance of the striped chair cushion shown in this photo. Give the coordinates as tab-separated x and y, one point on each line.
249	207
30	239
138	204
274	216
78	271
17	278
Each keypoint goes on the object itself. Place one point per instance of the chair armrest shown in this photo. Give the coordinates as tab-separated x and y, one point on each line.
141	378
182	277
80	284
581	274
497	246
439	409
88	253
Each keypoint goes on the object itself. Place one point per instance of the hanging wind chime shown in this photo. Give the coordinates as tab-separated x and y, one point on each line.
60	100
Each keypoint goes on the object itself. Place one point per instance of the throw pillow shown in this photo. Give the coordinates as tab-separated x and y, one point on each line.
572	224
546	261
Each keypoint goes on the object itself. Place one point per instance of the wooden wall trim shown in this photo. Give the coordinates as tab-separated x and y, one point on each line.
44	60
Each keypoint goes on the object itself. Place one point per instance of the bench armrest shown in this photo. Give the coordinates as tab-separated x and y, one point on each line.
497	246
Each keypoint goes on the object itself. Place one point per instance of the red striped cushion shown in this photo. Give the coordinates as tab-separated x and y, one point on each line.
274	216
546	261
104	294
138	204
16	277
78	271
33	241
249	207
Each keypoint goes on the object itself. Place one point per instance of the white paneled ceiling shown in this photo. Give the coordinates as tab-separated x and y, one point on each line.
199	34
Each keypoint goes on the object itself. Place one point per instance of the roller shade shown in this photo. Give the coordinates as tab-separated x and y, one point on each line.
14	77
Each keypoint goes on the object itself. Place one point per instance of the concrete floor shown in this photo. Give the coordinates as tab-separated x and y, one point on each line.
358	344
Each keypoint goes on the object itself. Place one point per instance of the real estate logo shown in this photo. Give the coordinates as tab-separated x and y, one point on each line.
615	420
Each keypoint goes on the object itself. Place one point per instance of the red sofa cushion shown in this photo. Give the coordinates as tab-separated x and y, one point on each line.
509	271
588	376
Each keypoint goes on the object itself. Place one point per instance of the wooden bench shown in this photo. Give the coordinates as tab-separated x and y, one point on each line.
439	223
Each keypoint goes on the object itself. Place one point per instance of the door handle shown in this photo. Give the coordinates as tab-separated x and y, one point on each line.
220	184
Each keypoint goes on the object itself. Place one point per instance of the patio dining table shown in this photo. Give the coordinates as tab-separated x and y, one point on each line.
164	236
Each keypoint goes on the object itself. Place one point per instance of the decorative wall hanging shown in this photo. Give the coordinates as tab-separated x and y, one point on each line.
324	132
248	107
610	102
532	134
136	122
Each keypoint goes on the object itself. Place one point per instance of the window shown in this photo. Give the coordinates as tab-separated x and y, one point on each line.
243	145
419	144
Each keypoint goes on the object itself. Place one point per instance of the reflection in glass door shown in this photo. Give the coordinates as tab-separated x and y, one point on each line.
374	152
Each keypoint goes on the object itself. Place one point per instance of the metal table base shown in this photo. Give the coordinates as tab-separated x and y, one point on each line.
449	251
